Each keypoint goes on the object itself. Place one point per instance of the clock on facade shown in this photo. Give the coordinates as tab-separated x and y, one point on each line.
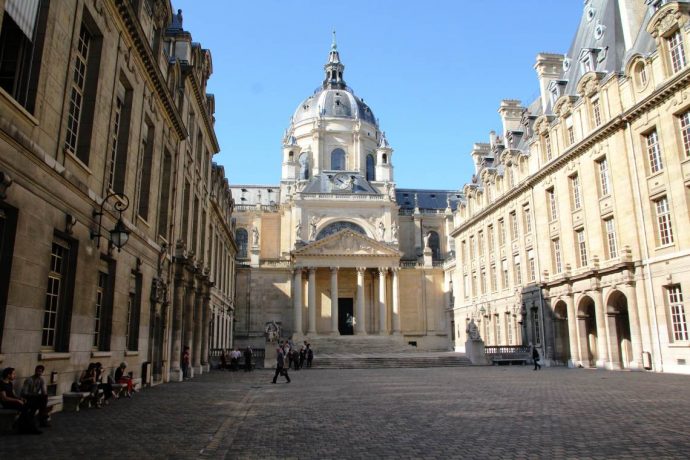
342	181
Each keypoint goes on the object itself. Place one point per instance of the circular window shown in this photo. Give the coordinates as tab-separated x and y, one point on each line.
599	31
590	13
566	64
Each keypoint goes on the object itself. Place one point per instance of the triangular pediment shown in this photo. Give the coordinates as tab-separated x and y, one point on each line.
347	243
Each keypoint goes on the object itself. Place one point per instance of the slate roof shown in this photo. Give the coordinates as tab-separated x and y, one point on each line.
427	199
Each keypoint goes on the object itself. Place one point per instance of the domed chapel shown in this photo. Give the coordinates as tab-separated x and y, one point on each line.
336	249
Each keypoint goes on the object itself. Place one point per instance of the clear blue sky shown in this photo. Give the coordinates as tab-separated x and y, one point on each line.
433	72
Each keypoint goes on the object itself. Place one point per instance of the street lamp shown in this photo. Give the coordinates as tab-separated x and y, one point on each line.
119	235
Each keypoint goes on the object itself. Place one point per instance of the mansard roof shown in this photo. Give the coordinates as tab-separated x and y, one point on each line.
427	199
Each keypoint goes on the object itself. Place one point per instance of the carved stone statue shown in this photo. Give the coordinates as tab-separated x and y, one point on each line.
255	236
272	332
312	229
394	231
382	230
298	231
426	239
472	331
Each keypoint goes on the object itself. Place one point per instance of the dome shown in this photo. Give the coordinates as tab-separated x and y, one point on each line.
334	102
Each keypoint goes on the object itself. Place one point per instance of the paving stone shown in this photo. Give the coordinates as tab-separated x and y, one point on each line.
477	412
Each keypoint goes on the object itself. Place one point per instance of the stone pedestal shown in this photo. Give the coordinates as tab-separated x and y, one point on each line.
176	375
474	350
270	356
428	257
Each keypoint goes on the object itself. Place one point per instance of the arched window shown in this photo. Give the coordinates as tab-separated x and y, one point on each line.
435	245
338	160
291	156
371	169
385	159
241	238
304	166
335	227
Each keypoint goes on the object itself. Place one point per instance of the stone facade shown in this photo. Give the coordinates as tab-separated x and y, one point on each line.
336	239
105	122
571	235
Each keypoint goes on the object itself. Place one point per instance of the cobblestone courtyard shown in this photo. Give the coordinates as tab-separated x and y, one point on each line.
493	412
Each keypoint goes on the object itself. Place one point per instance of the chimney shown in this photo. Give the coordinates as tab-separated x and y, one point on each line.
632	14
511	114
549	67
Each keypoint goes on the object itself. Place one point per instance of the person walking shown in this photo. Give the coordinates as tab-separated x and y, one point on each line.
280	366
535	358
310	355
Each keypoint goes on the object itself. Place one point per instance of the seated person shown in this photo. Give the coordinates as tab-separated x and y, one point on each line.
121	377
106	386
235	359
35	391
8	400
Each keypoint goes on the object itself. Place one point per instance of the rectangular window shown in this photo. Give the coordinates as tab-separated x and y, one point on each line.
582	247
531	265
472	247
517	269
463	246
656	163
19	51
513	226
121	146
547	147
611	238
596	112
663	220
114	137
57	312
164	200
494	284
685	132
504	269
575	191
490	238
480	243
466	285
553	205
603	166
571	135
509	331
678	318
474	283
677	51
528	220
501	232
97	317
133	313
482	278
497	319
81	60
556	248
147	138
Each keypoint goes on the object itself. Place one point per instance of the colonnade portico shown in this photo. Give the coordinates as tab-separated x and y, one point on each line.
347	254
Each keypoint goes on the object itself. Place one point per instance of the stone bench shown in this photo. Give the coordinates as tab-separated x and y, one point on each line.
73	401
9	416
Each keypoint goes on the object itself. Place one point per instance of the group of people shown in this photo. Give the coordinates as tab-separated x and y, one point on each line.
32	402
288	356
231	360
92	380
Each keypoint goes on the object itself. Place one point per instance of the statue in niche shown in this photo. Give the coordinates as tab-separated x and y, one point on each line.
298	231
272	332
426	239
382	230
255	236
394	232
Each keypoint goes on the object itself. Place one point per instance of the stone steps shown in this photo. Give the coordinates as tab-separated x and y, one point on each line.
360	345
402	360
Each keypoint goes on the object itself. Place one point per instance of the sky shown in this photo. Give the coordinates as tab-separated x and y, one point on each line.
434	73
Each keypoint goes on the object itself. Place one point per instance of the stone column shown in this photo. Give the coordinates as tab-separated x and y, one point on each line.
311	307
178	306
635	328
573	337
334	301
603	352
396	301
297	301
360	328
198	313
206	306
383	317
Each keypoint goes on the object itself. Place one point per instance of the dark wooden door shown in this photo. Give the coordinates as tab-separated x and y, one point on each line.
345	327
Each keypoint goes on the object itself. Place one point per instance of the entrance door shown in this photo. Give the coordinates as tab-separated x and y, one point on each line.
345	327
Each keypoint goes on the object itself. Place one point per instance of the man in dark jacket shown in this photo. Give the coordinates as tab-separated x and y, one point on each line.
280	366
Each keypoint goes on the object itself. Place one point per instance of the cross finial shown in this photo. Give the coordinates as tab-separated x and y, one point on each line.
334	46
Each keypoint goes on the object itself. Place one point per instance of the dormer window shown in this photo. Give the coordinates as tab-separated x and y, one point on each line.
676	51
586	64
